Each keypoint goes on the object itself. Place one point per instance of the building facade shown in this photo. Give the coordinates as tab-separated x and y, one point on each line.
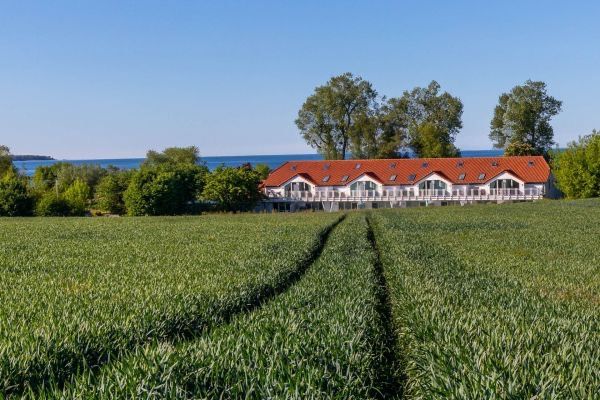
388	183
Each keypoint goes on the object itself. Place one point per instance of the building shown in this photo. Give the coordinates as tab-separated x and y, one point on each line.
349	184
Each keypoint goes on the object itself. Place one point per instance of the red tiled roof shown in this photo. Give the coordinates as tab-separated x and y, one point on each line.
530	169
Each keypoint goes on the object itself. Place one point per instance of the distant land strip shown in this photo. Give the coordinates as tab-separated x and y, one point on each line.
29	157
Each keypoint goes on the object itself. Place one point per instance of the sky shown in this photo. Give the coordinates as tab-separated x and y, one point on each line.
110	79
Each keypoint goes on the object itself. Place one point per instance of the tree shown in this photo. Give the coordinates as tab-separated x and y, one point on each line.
110	192
77	196
521	122
232	189
427	120
262	170
15	199
577	169
432	141
173	156
164	190
51	204
6	163
328	118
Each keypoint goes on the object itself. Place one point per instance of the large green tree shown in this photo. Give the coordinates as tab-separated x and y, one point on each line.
430	120
521	122
330	116
173	156
15	199
577	168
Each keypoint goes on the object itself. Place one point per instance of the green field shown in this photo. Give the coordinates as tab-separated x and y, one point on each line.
491	301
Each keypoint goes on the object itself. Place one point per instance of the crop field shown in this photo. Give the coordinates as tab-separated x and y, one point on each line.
492	301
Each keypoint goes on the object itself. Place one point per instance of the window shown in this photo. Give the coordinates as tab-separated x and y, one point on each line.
461	177
345	178
393	165
530	163
481	176
325	167
297	187
412	177
433	184
363	185
425	165
293	167
393	178
460	164
357	166
494	163
326	178
504	184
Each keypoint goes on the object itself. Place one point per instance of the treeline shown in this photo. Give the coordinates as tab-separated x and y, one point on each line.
347	116
171	182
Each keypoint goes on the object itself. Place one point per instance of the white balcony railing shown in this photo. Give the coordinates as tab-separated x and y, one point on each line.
407	195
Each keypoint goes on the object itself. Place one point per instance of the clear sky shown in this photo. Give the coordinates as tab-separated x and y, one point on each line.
103	79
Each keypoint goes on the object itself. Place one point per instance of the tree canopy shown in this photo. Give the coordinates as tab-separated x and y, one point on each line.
174	156
330	117
346	114
521	121
577	168
233	189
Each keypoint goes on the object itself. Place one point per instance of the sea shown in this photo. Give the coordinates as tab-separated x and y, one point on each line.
273	161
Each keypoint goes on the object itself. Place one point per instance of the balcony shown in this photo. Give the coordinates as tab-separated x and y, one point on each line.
411	195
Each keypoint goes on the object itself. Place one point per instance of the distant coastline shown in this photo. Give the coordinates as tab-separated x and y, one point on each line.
272	161
30	157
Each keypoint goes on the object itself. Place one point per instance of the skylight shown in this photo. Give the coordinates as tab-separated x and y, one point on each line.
425	165
393	178
345	178
293	167
460	164
393	165
530	163
326	178
357	166
494	163
325	166
412	177
461	177
481	176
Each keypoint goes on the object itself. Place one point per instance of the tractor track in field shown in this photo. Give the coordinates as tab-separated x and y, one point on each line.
265	296
391	376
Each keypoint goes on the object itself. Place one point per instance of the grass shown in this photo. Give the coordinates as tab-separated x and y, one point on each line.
79	292
323	338
492	301
496	301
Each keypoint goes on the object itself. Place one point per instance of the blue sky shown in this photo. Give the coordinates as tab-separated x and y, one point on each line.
109	79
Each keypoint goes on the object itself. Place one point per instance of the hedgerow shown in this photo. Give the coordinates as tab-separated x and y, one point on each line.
77	293
495	301
323	338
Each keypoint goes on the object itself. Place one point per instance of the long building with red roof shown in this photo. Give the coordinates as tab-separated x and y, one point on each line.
346	184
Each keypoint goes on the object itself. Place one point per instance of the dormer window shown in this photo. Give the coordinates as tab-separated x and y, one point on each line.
345	178
357	166
412	177
393	178
326	178
481	176
461	177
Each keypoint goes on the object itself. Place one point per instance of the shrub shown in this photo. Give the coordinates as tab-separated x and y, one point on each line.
51	204
233	189
164	190
15	199
577	169
110	192
77	196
